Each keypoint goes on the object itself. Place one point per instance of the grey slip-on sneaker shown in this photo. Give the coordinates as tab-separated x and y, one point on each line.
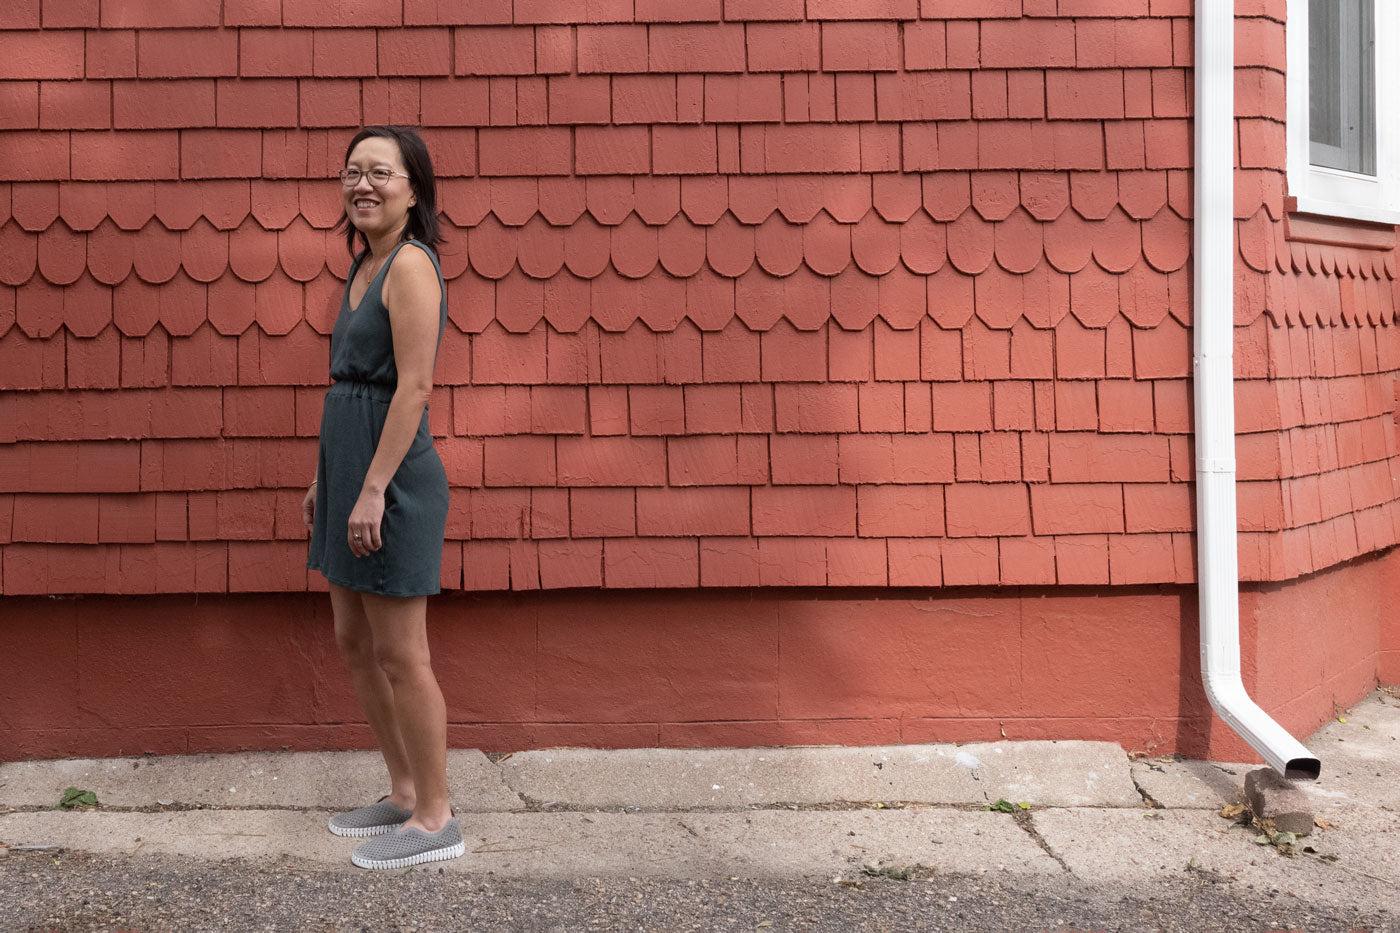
373	820
410	846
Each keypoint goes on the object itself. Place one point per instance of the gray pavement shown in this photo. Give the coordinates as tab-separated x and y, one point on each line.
768	816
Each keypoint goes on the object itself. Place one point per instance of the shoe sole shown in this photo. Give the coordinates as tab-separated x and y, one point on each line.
362	830
435	855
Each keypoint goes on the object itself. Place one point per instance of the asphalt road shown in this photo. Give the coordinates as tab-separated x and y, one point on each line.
43	891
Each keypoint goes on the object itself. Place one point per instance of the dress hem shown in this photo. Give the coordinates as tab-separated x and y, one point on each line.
361	588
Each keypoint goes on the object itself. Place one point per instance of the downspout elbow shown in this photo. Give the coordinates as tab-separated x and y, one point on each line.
1283	753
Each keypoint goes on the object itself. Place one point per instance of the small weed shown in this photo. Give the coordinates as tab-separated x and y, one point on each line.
1005	806
77	799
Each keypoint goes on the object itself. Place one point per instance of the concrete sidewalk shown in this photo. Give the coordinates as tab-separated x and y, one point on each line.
763	813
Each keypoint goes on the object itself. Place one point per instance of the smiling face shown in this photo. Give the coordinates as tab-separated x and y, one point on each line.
376	211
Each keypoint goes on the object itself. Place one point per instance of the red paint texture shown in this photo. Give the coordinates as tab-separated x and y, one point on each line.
104	676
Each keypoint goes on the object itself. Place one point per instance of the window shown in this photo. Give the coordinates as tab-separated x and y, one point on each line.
1342	85
1343	132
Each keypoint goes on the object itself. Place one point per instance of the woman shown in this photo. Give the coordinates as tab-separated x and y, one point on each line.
377	509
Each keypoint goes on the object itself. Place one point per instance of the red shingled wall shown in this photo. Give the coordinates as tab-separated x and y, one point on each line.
741	293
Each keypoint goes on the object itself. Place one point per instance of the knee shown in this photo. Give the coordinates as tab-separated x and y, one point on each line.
398	663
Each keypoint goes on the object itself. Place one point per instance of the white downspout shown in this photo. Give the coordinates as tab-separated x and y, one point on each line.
1213	333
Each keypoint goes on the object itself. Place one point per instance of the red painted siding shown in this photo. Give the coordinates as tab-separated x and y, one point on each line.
741	294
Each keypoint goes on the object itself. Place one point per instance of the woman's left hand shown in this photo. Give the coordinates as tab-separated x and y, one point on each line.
365	519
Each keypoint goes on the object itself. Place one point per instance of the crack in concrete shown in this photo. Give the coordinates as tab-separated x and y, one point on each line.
1147	799
534	804
1026	821
531	805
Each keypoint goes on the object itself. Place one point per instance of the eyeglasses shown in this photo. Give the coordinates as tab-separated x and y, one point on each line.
378	177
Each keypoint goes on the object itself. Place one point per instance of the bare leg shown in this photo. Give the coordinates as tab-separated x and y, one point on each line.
401	650
355	639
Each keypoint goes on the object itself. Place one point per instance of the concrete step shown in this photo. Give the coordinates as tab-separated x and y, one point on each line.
322	780
1043	773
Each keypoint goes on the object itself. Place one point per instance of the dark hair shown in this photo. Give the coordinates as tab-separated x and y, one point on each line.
422	216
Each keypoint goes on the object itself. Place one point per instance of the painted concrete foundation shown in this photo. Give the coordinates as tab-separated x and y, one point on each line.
105	676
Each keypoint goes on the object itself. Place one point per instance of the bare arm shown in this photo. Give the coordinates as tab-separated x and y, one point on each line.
412	296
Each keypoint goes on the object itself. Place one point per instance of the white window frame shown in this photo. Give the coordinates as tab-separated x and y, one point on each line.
1320	190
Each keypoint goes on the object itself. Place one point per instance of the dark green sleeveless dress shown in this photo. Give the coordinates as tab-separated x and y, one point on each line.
415	503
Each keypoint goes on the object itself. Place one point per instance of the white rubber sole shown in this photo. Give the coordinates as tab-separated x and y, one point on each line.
435	855
362	830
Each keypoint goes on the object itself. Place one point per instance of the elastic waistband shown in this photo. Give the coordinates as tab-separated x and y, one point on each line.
370	390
